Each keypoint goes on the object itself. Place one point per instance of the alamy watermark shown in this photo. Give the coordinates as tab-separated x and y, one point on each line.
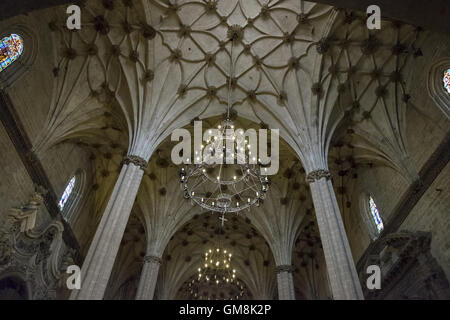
374	279
74	19
73	281
373	17
227	146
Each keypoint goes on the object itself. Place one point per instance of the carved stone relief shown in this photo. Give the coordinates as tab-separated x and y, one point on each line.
36	254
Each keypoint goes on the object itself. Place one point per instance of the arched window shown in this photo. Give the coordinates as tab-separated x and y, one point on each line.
11	48
375	214
70	198
67	192
438	84
447	80
370	214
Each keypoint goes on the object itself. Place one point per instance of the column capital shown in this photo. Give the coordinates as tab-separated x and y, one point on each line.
316	175
136	160
152	259
284	268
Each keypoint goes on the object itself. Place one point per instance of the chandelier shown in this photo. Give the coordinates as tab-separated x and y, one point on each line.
219	186
225	175
216	277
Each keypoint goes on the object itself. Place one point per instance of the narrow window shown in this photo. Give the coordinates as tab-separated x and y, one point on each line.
66	194
447	80
375	214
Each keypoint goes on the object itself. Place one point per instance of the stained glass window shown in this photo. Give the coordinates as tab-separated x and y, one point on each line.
10	50
66	194
447	80
375	214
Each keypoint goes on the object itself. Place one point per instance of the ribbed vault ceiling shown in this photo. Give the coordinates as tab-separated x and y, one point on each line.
139	69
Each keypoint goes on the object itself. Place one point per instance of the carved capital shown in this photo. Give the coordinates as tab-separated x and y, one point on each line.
136	160
316	175
152	259
284	268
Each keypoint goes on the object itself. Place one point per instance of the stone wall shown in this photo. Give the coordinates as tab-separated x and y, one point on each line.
426	129
31	96
432	213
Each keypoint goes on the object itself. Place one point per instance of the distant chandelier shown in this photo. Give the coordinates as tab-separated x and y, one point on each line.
225	176
217	267
216	273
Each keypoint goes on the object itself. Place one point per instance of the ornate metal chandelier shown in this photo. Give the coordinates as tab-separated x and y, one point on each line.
225	176
215	275
217	267
222	187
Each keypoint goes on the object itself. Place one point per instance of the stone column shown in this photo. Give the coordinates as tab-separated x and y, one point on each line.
285	282
341	268
102	253
149	276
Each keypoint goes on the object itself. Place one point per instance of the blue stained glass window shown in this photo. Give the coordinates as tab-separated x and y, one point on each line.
66	194
10	50
447	80
375	214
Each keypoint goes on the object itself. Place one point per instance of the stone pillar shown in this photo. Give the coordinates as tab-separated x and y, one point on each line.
285	282
149	276
341	268
102	253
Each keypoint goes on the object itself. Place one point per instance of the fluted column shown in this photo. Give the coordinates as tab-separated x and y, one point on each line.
149	276
102	253
341	268
285	282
